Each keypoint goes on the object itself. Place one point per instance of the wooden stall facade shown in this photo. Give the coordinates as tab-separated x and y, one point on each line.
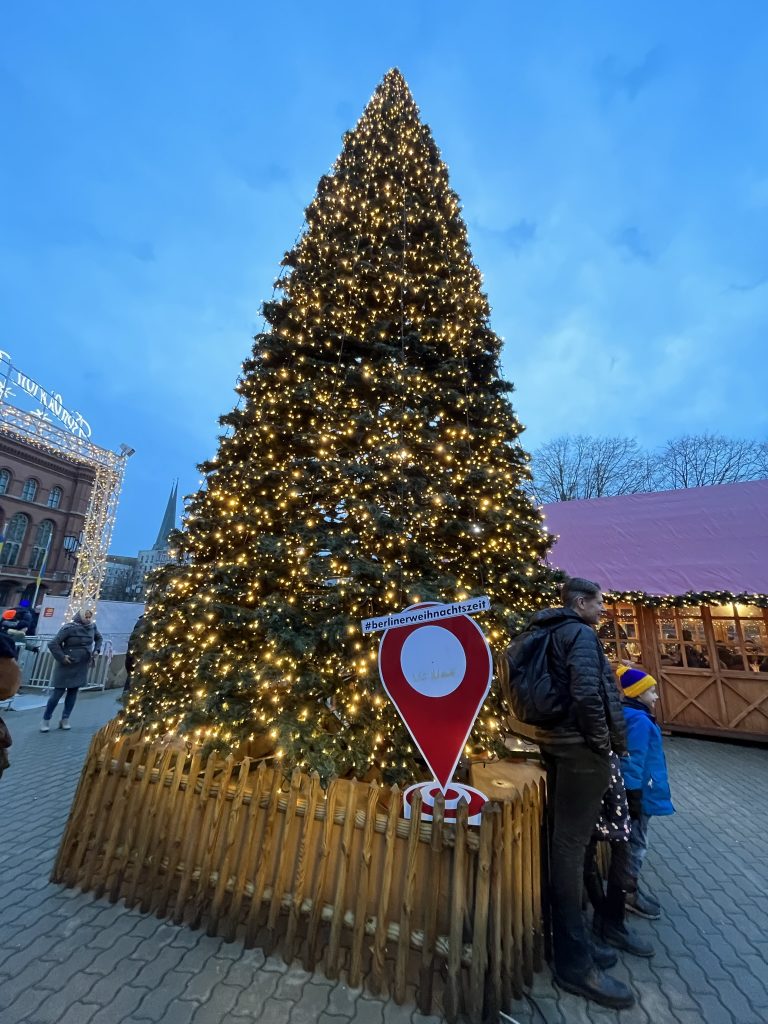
336	877
711	662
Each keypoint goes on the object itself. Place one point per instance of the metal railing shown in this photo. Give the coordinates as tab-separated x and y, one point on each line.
37	665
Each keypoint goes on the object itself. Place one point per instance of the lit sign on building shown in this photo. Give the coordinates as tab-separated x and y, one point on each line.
52	403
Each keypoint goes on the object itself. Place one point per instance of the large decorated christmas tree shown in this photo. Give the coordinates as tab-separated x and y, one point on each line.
372	462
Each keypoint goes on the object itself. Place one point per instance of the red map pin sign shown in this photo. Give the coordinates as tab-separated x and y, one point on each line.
437	675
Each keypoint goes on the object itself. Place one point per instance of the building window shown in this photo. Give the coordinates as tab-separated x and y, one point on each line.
14	538
41	545
619	633
54	498
5	480
29	492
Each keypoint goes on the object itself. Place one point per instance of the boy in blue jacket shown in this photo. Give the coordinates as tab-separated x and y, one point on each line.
646	779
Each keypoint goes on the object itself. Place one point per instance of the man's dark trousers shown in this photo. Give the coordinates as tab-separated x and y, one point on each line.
577	778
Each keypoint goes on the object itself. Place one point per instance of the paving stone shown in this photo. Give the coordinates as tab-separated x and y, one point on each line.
250	1001
221	1002
109	930
202	984
313	1001
367	1012
276	1011
291	984
693	975
574	1009
653	1001
713	1011
164	960
674	989
107	958
243	973
34	975
178	1012
752	979
77	1013
156	1001
342	1000
72	988
706	864
743	997
193	958
26	1003
394	1014
120	1007
17	955
710	964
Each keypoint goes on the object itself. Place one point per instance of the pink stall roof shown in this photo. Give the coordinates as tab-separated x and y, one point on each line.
668	542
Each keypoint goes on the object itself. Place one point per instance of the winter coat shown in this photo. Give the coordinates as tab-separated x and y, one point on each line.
645	767
581	672
24	620
78	641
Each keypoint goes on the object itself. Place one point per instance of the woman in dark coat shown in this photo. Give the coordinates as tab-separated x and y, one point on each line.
73	648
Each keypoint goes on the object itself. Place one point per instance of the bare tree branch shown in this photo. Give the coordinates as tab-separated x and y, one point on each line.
568	468
700	460
579	466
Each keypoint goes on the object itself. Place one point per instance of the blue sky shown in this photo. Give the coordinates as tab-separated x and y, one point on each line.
612	161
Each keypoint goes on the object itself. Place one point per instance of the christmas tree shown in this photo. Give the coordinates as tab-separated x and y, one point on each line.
372	462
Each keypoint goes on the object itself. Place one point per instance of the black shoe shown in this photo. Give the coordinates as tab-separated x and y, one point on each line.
624	938
644	906
600	988
602	956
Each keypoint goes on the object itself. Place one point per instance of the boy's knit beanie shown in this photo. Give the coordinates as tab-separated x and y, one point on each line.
634	681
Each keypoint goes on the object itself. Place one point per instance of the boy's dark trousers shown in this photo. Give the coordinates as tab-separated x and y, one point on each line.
577	778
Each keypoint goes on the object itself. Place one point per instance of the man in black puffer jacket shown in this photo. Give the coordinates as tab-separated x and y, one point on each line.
576	756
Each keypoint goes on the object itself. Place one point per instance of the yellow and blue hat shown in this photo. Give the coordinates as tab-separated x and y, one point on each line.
634	681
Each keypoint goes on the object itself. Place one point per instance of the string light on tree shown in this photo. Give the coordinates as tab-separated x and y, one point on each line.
372	461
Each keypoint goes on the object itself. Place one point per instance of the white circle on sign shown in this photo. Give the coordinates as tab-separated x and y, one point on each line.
433	661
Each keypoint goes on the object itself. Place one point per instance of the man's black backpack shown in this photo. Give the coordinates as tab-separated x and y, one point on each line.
526	683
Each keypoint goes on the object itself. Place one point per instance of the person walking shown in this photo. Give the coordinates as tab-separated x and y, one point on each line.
576	753
73	648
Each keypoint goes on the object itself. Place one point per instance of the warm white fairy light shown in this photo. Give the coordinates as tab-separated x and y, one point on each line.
372	462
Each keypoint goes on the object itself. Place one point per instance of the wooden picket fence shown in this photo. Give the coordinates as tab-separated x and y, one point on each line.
336	877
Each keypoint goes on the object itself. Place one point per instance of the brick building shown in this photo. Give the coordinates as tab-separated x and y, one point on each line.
43	503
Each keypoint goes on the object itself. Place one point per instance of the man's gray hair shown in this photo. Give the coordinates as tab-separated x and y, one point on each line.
576	587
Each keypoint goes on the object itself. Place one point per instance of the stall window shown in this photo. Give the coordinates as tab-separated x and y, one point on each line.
619	633
682	641
741	638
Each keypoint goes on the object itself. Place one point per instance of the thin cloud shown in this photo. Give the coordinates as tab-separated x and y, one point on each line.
516	237
631	241
749	286
616	77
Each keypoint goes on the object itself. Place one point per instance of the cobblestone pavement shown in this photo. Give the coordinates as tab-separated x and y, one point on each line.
67	959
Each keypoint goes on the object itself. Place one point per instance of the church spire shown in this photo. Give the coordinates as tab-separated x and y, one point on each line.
169	521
